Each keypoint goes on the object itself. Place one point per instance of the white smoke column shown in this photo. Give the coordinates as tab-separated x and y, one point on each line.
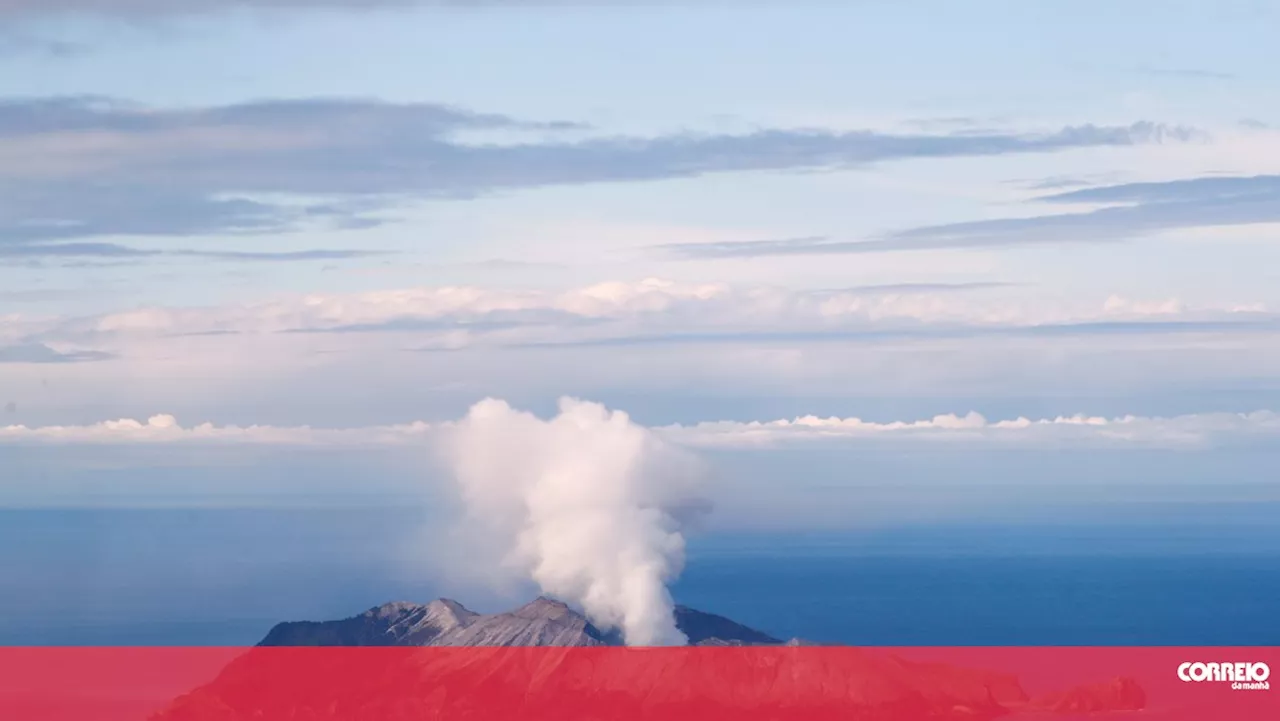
587	504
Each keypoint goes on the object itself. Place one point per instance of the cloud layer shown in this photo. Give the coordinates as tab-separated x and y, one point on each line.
86	168
1198	430
1204	430
1129	210
164	428
652	311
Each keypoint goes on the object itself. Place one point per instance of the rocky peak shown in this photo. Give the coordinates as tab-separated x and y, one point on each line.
541	622
449	611
543	607
394	611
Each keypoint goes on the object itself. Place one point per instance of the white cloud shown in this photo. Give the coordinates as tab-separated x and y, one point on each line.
461	315
1180	431
355	360
1185	431
1117	305
164	428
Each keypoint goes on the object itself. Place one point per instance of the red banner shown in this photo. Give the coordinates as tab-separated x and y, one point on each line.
619	684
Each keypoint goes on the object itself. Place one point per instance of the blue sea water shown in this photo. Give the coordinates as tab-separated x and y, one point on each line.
994	600
223	577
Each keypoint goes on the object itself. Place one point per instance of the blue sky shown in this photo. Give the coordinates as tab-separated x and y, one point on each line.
322	215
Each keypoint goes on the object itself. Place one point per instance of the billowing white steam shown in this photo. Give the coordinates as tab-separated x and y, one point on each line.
588	504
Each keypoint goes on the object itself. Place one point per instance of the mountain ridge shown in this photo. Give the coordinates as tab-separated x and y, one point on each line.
541	622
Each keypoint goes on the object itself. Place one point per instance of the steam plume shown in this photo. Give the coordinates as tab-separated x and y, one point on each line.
588	505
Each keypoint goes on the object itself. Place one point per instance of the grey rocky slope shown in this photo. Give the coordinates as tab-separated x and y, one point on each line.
443	622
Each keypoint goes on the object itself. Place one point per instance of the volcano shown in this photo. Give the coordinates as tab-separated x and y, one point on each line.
546	661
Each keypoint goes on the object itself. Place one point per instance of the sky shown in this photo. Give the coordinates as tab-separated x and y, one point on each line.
875	261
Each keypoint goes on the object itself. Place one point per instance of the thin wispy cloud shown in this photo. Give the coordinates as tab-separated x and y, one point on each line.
43	354
1216	189
820	245
1188	73
112	251
916	288
146	10
76	169
1061	183
957	331
40	295
18	43
276	257
1131	210
744	248
1134	209
142	10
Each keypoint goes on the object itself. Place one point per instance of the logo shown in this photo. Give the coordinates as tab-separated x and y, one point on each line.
1241	676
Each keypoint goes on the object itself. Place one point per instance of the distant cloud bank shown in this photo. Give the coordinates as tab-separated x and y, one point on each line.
1205	430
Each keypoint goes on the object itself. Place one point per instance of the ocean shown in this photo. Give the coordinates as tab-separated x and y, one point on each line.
223	577
996	601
